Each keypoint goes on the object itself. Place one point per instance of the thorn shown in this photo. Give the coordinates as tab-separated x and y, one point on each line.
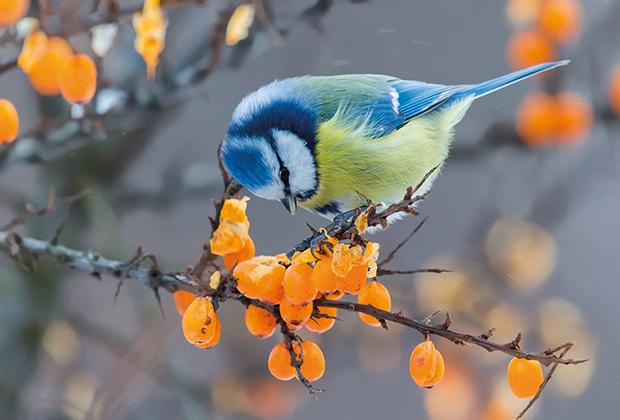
313	230
430	317
514	344
487	334
158	299
118	290
446	324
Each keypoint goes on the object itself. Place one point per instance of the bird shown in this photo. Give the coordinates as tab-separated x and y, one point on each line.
329	144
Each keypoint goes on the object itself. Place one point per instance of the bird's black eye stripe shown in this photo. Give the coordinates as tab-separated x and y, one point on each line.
284	174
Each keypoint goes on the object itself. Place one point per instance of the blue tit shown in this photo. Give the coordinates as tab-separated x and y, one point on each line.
326	143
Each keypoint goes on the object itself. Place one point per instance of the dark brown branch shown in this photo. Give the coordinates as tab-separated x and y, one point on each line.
512	348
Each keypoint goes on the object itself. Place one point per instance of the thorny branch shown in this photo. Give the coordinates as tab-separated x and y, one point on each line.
23	249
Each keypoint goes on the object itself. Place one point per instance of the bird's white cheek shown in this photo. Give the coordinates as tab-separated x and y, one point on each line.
274	191
298	159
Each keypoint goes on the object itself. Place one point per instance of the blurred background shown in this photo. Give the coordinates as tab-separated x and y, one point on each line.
527	218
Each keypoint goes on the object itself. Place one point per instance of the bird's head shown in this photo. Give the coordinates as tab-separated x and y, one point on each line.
269	148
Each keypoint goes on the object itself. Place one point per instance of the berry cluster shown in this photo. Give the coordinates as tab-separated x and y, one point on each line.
289	293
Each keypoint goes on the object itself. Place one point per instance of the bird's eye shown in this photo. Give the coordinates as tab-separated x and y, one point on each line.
284	174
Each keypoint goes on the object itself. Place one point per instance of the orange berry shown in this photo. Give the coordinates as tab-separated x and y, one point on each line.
426	365
78	79
182	299
535	121
614	91
377	295
44	72
216	338
269	282
321	325
244	254
529	47
323	277
524	377
560	19
574	117
295	315
9	122
355	280
260	322
200	322
34	45
150	47
244	283
12	10
279	363
298	285
313	366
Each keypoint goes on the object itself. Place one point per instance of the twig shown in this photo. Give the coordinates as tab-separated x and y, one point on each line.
389	257
529	405
424	328
388	272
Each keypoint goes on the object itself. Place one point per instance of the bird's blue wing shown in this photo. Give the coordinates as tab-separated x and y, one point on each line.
384	104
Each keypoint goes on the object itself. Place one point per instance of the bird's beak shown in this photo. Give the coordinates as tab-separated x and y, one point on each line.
290	203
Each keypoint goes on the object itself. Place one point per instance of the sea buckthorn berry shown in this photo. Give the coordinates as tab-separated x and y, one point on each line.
260	322
377	295
355	280
245	284
320	325
529	47
12	10
560	19
269	282
305	257
426	365
9	122
216	338
524	377
313	364
244	254
295	315
228	238
574	117
345	257
200	322
149	47
614	91
182	299
535	122
323	277
78	79
34	45
239	24
279	363
44	72
298	285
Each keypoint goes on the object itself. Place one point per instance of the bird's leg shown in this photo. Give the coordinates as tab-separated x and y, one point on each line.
342	221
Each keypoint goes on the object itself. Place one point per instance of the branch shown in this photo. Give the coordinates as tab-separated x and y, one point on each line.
566	348
443	330
20	248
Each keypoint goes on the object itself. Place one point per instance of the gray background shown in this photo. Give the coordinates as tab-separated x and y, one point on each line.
573	192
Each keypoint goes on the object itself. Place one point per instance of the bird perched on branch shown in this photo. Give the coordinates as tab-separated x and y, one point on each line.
327	143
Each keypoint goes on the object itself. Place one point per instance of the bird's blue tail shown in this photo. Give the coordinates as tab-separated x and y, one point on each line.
501	82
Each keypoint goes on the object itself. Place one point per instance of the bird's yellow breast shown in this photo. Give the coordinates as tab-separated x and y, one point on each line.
351	165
